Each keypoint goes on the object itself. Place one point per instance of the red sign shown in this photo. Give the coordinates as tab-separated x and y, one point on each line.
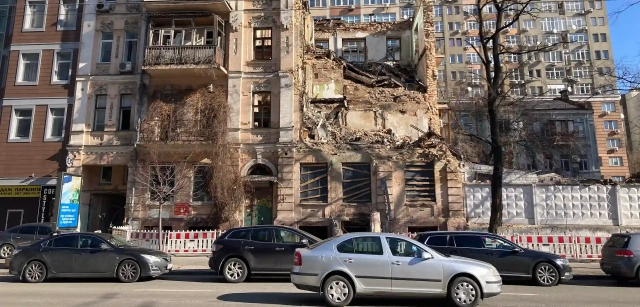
181	209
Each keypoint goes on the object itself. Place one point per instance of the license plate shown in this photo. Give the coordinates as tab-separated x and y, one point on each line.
169	266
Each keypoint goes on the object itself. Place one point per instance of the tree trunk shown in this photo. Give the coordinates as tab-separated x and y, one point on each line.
160	234
495	221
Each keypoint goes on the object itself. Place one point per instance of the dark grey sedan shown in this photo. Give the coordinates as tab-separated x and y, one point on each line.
23	234
87	255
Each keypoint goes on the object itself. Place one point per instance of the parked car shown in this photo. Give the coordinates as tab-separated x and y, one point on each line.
511	260
621	257
23	234
268	249
87	255
365	264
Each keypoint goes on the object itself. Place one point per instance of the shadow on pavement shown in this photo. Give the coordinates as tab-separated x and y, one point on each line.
311	299
12	279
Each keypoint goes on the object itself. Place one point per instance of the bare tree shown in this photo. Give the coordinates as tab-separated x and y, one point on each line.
188	129
495	94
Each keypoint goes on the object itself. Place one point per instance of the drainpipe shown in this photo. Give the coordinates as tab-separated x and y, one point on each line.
139	108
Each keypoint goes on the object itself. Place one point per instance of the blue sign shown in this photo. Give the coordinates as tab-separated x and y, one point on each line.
69	201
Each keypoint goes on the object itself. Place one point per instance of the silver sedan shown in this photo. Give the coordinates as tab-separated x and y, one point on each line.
366	264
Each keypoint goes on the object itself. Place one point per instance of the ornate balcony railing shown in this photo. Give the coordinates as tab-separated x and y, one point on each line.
173	131
183	55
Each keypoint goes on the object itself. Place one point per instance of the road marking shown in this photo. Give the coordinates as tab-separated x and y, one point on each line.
520	294
175	290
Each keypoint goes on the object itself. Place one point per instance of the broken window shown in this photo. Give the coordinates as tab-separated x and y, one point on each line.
201	190
322	44
353	50
356	182
262	48
419	182
314	183
262	110
162	182
393	49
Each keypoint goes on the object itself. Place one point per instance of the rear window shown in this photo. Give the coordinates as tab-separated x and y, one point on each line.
468	241
312	246
437	241
618	242
238	234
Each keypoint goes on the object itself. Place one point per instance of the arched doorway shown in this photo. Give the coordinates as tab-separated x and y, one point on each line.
259	210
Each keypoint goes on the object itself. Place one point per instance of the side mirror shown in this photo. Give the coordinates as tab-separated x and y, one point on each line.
305	242
517	250
426	256
104	246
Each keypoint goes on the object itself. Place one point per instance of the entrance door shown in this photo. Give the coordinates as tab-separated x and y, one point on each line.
107	210
14	218
260	209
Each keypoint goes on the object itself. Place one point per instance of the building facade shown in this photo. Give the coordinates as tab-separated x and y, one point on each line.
40	49
630	103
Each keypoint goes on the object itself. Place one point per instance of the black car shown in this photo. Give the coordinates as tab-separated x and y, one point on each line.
20	235
87	255
255	250
511	260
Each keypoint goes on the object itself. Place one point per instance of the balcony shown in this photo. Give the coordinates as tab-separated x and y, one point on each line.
196	56
173	132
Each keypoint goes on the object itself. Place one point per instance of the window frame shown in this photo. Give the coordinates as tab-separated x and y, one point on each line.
20	72
208	198
61	8
121	108
54	78
49	122
125	48
262	108
616	158
353	239
611	122
27	17
95	113
102	168
12	125
306	186
262	39
101	46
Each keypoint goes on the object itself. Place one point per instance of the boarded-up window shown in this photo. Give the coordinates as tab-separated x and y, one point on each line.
419	182
314	184
356	183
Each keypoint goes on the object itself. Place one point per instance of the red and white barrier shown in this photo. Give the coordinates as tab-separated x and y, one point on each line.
559	245
590	247
191	242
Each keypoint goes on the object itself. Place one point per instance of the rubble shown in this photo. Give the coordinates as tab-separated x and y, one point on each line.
369	86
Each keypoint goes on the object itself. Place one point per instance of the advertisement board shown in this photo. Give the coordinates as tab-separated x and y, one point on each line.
69	186
45	206
20	191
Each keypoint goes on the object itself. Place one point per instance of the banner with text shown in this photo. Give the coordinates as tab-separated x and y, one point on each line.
20	191
68	212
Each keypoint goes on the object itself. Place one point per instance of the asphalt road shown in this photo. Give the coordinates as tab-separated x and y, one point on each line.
197	291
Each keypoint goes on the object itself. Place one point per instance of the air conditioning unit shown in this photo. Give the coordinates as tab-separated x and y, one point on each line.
581	12
554	31
617	131
467	47
386	5
585	28
465	32
614	148
351	7
465	13
456	31
590	10
104	7
411	2
125	67
606	112
524	30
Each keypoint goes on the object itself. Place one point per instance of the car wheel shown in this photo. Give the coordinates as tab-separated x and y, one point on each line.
6	250
546	275
34	272
464	292
338	291
128	271
235	270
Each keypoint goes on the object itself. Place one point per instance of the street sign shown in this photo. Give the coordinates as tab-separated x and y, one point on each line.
182	209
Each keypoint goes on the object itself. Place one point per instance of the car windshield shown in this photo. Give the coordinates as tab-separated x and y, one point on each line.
116	241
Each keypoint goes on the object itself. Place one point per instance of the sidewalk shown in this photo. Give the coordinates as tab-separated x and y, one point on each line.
200	266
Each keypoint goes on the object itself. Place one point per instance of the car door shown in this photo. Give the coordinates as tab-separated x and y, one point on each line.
25	234
410	272
365	258
59	253
286	242
468	245
43	232
94	256
260	250
505	256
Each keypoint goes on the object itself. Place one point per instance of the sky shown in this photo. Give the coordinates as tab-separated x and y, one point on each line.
625	32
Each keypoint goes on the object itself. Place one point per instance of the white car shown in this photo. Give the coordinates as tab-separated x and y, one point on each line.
365	264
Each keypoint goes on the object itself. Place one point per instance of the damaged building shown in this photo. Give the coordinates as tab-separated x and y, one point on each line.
371	153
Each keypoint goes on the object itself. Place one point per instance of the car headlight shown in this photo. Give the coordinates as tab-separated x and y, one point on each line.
493	272
151	258
562	261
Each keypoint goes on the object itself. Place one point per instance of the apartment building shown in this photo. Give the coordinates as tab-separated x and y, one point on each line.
631	109
40	44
